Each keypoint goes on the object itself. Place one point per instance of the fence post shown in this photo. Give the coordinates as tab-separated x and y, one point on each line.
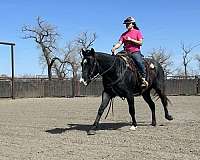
197	84
12	61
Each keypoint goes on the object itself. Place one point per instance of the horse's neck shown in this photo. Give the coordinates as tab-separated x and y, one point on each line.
106	62
111	68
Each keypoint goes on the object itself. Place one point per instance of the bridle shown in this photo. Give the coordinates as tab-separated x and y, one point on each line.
91	76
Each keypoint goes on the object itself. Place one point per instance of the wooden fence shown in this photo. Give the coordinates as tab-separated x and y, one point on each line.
182	86
29	87
24	87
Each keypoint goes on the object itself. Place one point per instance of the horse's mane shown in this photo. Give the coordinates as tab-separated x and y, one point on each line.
112	62
105	57
103	54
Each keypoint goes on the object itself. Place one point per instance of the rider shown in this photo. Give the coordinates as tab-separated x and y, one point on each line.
132	40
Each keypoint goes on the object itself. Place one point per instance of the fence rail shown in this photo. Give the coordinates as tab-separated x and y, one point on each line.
41	87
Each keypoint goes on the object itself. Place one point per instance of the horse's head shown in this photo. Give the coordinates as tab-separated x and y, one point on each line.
89	66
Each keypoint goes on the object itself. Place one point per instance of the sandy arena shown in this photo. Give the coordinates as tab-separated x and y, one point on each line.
55	129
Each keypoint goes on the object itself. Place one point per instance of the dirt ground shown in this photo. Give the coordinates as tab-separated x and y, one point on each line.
55	128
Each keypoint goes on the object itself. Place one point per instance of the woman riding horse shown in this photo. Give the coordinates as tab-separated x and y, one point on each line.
119	80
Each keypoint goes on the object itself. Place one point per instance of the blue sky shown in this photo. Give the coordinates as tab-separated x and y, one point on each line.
163	24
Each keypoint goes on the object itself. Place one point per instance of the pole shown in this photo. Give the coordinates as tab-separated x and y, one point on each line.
12	61
7	43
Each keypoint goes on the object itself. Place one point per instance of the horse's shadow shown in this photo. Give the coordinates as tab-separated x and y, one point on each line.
85	127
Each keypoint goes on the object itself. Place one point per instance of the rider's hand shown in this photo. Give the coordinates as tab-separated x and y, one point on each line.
129	39
113	51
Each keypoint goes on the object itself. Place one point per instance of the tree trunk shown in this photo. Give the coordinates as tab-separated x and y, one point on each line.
185	70
49	72
75	83
75	86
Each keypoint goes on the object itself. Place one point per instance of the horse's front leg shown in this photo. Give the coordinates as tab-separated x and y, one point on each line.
130	100
104	103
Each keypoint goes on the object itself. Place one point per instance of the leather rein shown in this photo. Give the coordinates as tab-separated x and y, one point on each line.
94	77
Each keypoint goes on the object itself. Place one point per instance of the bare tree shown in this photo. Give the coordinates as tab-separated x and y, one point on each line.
161	56
186	58
85	40
70	58
45	35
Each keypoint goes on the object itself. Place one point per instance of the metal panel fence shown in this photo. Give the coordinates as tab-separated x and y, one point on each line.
40	87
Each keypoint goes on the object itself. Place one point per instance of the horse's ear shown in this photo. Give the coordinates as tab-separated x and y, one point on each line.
83	52
92	51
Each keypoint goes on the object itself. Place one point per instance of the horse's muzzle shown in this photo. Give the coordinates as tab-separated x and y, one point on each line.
84	82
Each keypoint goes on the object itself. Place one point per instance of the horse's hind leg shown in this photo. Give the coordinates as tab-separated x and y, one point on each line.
164	101
105	100
147	98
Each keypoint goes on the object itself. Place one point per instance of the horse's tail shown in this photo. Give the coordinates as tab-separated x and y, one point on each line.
159	85
160	77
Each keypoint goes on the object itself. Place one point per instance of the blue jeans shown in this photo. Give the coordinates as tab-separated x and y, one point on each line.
138	59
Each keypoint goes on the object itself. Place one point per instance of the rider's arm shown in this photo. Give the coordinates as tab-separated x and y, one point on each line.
138	40
116	46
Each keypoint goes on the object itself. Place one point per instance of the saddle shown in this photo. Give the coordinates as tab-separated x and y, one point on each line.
128	60
149	65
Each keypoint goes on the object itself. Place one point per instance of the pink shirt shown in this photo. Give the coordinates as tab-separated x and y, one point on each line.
133	34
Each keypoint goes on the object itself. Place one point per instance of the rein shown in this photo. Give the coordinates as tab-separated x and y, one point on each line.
104	72
93	69
111	105
98	75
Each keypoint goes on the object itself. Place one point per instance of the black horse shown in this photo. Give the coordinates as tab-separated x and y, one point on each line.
120	80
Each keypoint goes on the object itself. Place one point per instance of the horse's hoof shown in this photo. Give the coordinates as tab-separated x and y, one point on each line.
153	124
133	128
91	132
169	117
